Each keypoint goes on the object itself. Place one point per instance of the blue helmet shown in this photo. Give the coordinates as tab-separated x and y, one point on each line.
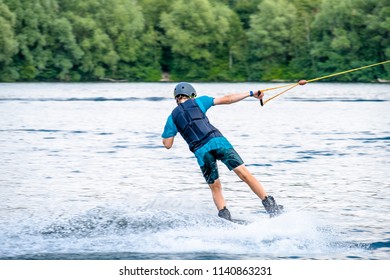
184	88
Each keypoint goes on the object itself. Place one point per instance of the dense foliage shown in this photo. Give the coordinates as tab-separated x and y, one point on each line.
194	40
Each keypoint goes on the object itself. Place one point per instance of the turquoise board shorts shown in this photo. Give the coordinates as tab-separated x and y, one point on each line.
228	156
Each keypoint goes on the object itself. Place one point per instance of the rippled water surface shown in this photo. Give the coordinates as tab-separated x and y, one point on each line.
84	174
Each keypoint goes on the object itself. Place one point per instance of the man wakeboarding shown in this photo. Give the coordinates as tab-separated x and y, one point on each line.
209	145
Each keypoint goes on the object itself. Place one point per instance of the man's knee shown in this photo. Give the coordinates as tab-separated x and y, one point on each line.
242	172
216	185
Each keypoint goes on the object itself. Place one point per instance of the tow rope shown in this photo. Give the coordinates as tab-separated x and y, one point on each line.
304	82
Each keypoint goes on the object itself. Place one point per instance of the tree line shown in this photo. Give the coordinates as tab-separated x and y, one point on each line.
193	40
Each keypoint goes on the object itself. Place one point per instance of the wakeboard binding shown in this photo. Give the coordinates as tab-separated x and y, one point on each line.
272	208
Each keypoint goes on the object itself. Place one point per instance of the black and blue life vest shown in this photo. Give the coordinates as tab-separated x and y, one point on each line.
193	124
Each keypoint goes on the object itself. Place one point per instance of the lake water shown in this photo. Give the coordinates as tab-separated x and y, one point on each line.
84	174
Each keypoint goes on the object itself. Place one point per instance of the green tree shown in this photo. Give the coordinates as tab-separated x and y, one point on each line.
302	62
244	9
33	19
8	43
47	48
200	36
349	34
271	40
152	11
208	40
64	51
377	30
113	38
137	44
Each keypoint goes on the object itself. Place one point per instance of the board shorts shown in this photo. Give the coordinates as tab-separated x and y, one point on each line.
228	156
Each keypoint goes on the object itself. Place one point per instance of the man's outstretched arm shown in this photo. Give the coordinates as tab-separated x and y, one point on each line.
235	97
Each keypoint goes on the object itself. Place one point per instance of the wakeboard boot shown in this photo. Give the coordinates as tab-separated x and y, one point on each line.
225	214
271	207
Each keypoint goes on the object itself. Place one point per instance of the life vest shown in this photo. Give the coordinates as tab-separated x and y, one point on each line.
193	124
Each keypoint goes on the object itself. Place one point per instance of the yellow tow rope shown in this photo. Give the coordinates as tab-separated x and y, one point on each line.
304	82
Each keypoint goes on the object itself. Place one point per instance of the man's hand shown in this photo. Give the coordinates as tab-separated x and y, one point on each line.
258	94
168	142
